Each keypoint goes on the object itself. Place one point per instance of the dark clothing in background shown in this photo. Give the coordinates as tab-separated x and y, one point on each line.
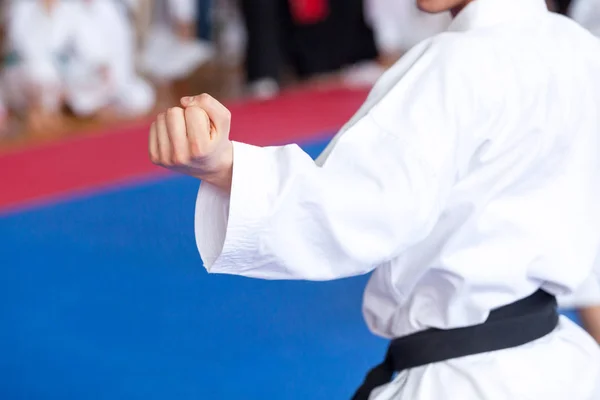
266	42
204	22
276	37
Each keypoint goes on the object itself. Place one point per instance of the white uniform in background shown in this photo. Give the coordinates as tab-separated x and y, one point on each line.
166	55
37	45
111	31
399	25
587	13
232	37
77	53
468	180
88	87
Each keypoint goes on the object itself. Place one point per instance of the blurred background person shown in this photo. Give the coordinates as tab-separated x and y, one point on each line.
230	31
34	59
587	14
109	22
399	25
78	58
313	38
170	48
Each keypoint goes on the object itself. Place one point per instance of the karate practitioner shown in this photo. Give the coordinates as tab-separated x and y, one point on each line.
469	183
75	57
34	60
108	22
171	49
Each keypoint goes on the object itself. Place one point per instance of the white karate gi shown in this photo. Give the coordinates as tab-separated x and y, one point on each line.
109	28
166	56
37	44
399	25
469	179
587	13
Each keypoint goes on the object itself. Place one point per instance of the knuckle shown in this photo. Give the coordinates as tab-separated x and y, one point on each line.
167	162
179	160
174	111
196	150
195	113
225	113
204	98
189	112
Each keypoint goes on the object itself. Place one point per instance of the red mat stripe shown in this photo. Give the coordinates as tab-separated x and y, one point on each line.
121	154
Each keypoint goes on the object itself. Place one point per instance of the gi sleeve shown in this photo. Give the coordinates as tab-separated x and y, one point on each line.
380	190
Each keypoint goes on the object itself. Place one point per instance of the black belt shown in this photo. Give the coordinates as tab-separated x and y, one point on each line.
509	326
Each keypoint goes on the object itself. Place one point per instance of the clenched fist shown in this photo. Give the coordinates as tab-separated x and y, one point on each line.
194	140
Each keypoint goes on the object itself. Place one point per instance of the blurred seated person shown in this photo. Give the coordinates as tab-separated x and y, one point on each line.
66	61
37	39
170	48
109	21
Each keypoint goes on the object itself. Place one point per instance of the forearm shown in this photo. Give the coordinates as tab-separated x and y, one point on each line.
222	179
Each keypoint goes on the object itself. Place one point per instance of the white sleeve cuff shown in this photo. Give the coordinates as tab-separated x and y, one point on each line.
228	227
212	209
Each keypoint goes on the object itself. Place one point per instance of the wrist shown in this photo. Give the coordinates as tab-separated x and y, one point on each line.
223	175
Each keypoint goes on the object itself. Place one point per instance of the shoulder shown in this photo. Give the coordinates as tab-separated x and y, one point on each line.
465	54
463	65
